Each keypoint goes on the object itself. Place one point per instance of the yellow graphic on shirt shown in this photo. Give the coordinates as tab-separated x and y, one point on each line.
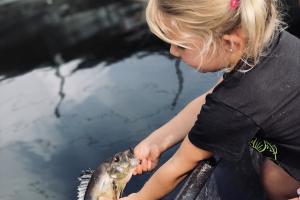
264	147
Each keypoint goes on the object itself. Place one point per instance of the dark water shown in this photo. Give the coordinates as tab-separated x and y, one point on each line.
105	109
74	90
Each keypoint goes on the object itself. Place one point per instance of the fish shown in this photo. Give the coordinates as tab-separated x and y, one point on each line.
109	179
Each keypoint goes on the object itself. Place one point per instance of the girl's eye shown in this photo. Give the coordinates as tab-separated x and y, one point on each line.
180	47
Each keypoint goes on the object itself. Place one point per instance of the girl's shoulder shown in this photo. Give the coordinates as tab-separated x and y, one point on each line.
275	78
287	40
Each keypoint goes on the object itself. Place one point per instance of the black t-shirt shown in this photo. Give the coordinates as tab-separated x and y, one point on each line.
259	108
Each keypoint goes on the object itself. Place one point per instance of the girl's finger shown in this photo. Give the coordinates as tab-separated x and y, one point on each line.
149	165
154	153
134	172
141	153
139	169
144	165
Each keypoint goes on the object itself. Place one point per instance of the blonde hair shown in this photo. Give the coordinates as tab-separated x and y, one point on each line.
209	20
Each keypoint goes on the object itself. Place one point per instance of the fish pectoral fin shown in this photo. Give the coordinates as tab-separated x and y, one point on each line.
121	192
116	190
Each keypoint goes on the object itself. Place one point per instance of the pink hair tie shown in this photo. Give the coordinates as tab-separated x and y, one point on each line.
234	4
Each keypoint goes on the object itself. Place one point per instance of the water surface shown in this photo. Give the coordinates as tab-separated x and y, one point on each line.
57	122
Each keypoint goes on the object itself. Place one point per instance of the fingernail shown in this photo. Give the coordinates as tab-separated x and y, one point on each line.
149	164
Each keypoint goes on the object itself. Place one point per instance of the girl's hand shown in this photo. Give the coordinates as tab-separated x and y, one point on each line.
148	153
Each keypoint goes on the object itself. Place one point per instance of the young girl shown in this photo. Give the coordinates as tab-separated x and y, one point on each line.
256	103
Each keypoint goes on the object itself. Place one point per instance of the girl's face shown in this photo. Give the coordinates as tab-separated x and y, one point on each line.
191	57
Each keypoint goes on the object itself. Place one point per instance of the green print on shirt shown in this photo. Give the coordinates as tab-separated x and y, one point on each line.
266	148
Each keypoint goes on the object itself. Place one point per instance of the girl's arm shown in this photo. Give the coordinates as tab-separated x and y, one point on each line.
172	172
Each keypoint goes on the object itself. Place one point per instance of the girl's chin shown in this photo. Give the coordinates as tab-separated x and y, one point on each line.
202	69
199	69
205	70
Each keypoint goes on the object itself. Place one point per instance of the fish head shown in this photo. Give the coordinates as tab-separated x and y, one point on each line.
122	164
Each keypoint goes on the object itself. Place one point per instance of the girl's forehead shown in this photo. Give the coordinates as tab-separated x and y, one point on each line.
175	32
187	41
172	31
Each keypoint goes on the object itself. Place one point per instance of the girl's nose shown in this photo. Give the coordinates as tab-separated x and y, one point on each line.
174	50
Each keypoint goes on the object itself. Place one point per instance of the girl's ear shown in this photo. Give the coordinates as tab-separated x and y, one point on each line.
233	42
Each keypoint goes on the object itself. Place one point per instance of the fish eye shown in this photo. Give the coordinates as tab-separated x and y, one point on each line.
116	159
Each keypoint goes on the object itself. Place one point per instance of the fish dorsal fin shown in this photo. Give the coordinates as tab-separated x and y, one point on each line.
84	181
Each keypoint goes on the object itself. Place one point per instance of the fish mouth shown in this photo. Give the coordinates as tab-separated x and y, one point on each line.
134	162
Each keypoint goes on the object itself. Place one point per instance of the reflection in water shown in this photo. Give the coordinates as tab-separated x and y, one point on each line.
105	110
180	82
49	1
59	62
